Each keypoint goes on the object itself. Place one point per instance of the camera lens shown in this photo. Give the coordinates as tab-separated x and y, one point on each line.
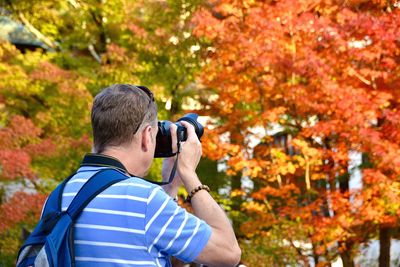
164	140
192	119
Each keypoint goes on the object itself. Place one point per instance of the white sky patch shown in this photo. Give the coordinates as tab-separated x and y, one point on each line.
355	160
257	133
194	48
211	49
203	120
168	104
360	43
173	40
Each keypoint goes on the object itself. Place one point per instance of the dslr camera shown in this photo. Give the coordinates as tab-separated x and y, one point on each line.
164	139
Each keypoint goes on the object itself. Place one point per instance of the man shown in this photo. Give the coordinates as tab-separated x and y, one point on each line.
135	222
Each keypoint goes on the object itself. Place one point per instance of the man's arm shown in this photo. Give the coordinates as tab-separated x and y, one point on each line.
172	188
222	248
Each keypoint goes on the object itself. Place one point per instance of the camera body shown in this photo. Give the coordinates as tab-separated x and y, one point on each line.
164	140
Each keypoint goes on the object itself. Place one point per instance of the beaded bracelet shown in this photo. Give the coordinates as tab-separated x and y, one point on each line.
195	190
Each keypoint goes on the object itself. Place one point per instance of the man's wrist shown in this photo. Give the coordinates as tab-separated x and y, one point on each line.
190	180
195	190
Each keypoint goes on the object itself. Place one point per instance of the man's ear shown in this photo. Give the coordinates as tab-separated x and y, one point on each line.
146	138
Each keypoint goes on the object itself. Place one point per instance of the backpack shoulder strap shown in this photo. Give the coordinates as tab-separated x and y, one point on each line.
94	186
51	208
53	202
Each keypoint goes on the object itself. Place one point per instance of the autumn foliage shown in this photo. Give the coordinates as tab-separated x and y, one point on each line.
39	103
69	51
302	98
325	73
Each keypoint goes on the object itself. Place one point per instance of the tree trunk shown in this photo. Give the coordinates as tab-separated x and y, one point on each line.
347	259
176	106
236	183
384	249
315	255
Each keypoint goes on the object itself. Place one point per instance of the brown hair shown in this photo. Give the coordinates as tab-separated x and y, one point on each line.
117	114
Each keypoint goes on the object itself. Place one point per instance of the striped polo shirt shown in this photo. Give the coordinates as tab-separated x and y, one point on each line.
133	223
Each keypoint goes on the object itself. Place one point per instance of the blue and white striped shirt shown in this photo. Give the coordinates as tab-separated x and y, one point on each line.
133	223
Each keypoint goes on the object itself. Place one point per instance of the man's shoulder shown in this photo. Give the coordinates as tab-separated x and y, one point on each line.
135	184
138	182
86	172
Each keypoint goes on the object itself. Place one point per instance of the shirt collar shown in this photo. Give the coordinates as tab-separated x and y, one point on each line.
99	160
103	161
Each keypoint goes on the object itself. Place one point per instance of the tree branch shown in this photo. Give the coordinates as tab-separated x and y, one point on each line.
94	53
74	3
359	76
36	32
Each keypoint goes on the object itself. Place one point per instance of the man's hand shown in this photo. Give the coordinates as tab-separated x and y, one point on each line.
189	158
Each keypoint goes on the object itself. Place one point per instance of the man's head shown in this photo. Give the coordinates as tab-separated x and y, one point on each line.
121	113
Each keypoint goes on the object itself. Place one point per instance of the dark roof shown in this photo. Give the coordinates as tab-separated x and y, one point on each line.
15	33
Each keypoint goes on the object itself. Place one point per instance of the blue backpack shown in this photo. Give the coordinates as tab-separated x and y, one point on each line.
52	241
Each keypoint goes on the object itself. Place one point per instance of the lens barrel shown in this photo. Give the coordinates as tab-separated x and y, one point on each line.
164	140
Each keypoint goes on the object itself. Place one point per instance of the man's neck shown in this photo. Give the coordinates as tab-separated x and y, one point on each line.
130	160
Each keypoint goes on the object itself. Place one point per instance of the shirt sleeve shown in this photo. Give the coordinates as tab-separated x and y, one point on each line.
172	230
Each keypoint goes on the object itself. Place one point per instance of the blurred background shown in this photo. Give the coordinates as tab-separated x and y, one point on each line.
300	100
